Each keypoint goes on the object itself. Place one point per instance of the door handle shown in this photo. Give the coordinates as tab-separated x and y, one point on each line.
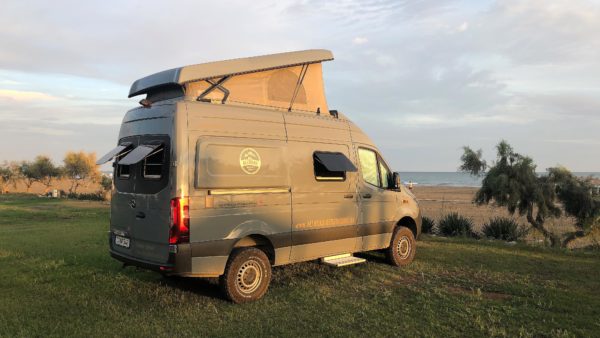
140	215
366	195
348	196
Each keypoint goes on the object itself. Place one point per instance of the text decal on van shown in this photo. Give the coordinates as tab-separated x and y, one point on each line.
250	161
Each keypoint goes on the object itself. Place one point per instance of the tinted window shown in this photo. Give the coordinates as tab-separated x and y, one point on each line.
123	171
151	174
153	164
323	174
368	166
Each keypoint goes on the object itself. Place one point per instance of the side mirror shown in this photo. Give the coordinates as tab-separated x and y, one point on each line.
396	181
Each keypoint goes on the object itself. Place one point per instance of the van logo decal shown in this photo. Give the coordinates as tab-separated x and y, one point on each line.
250	161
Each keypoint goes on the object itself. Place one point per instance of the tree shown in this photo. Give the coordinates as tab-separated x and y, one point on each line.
7	176
46	170
578	198
106	183
512	182
80	168
28	173
40	170
10	174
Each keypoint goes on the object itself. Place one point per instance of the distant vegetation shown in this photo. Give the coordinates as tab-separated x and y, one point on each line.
79	168
511	182
503	228
427	225
454	224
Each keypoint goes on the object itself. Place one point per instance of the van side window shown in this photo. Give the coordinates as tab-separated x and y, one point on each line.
324	174
153	164
368	166
385	175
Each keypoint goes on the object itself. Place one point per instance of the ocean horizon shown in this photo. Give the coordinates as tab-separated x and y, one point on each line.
457	179
446	178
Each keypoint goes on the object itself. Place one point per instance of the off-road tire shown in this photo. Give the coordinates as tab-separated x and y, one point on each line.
403	247
247	275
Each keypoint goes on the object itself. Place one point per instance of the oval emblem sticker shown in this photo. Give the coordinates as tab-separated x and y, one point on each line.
250	161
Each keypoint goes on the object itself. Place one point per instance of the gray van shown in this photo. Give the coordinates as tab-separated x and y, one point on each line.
229	168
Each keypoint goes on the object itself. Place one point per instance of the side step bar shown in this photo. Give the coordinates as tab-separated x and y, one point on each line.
342	260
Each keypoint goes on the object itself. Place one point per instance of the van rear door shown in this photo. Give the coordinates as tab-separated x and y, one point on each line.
151	215
141	207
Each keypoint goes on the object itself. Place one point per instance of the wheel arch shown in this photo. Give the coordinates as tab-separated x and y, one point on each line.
410	223
258	241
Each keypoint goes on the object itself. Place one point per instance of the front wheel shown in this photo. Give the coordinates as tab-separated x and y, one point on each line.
402	247
247	275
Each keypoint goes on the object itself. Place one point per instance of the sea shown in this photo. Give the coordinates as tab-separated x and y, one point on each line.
458	179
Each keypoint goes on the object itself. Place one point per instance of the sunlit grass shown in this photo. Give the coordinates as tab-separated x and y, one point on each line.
58	280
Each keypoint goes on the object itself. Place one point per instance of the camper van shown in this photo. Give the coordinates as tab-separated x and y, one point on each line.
228	168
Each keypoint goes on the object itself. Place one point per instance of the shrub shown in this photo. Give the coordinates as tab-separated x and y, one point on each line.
427	225
455	225
503	228
95	196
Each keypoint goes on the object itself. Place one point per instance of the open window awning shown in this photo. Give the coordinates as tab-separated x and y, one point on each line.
335	161
139	153
116	151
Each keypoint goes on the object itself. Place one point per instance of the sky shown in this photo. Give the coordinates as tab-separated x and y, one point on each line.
422	78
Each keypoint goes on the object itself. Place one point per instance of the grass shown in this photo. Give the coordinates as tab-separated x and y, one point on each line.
57	279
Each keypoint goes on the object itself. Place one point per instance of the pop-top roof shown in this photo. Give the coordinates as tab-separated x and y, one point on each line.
219	69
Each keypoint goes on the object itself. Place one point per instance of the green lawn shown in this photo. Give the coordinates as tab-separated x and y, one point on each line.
57	279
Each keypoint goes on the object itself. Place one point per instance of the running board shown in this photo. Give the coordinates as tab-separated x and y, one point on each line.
342	260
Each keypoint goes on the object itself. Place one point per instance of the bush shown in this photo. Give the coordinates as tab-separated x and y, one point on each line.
503	228
455	225
95	196
427	225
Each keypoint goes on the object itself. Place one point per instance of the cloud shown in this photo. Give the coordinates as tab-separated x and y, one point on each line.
539	32
360	40
423	78
10	82
19	95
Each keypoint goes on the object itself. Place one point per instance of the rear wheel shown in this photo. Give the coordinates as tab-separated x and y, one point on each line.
402	247
247	275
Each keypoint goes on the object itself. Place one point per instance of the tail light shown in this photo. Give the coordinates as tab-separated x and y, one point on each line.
180	221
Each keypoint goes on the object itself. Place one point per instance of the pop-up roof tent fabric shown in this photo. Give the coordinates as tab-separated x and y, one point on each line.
290	80
272	88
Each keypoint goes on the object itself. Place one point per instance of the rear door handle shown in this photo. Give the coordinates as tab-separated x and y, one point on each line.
366	195
348	196
140	215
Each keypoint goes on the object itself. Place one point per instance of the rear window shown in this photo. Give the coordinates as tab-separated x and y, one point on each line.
153	164
150	174
123	172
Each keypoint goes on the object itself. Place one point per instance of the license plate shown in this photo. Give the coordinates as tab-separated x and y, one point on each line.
122	241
